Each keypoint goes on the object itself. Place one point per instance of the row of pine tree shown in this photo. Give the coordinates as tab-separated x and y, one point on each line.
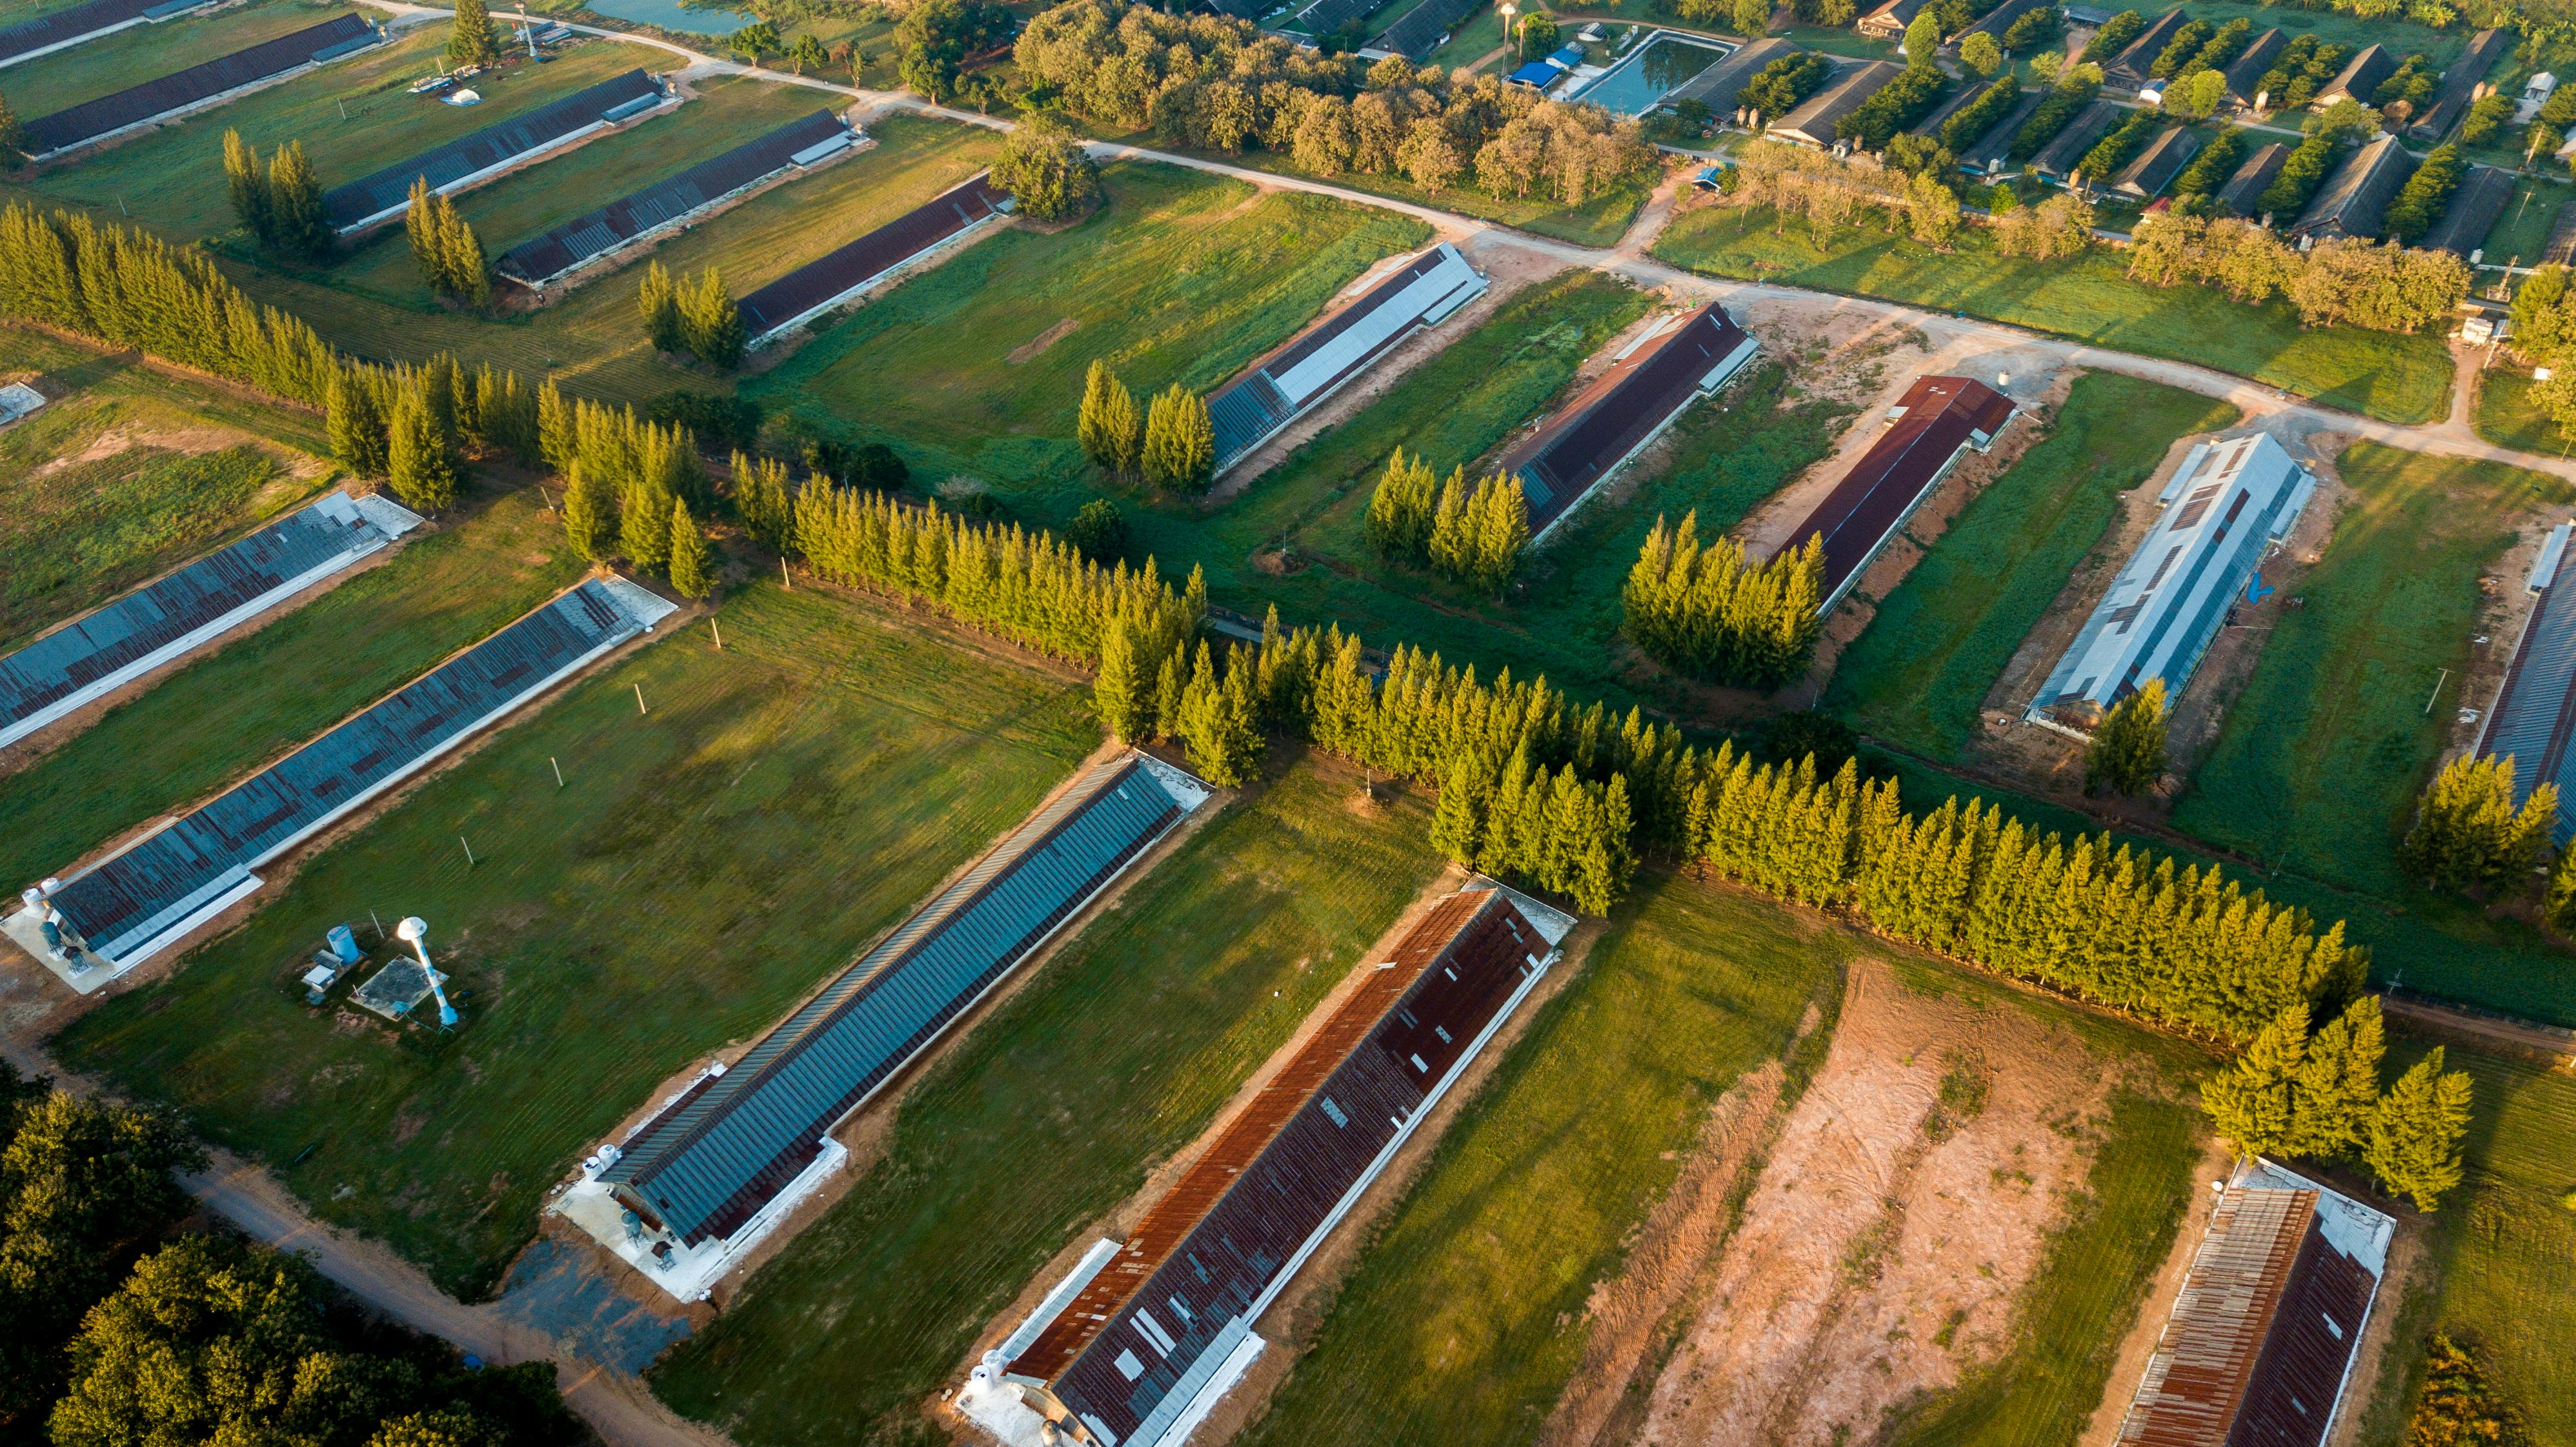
1169	446
449	253
697	317
1472	532
1708	611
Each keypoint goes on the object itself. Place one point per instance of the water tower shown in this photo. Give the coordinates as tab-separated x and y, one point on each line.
414	931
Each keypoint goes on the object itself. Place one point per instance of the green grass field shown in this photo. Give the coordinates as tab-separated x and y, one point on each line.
787	798
2523	229
1476	37
229	712
74	534
1119	1051
2505	414
1938	643
2380	374
146	52
2503	1248
1182	277
2341	689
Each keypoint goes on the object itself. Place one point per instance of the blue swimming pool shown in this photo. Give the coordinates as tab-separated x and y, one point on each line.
671	15
1661	65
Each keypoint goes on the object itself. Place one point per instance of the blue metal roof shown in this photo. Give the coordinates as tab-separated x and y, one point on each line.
706	1167
84	20
2536	710
135	104
385	190
134	628
1537	73
135	898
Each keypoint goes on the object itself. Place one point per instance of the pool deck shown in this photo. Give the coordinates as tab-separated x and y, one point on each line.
1619	75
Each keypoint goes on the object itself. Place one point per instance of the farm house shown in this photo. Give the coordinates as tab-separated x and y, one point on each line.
2535	710
199	86
2263	1332
1139	1343
717	1166
151	895
826	282
1679	359
1418	293
2227	505
472	159
1929	429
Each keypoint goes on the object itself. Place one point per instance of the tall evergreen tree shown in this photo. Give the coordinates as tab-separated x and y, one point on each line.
1122	430
2467	832
469	271
2415	1133
2252	1101
1118	688
711	323
471	40
247	183
355	424
1091	422
1458	823
659	299
2336	1086
2558	905
644	524
1170	691
418	464
420	227
691	574
1180	441
2127	755
587	510
13	135
295	203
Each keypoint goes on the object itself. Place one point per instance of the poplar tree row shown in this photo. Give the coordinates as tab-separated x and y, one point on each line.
280	203
1170	444
2297	1093
1710	612
1473	532
449	253
631	488
1215	715
698	317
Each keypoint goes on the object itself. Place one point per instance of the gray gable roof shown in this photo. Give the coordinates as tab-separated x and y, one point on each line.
2356	196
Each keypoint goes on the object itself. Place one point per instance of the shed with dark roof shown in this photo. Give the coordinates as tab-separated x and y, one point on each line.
2128	69
2534	717
69	27
1888	20
2245	73
1998	20
2354	200
2359	77
827	281
2155	167
2460	85
471	159
1425	28
2476	205
1930	125
2058	159
1930	428
1812	124
1989	152
2244	190
199	85
1719	85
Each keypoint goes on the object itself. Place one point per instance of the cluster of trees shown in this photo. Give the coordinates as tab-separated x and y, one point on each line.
2066	99
449	253
1170	444
1980	115
2058	227
414	425
1474	532
122	1330
2209	50
2347	281
1215	715
2209	170
279	203
2123	141
632	488
2127	752
1794	180
936	38
2468	835
1047	170
2302	68
696	317
2425	196
1219	83
1561	832
1899	103
2113	36
1710	612
1781	86
2297	1092
2458	1407
471	40
2544	335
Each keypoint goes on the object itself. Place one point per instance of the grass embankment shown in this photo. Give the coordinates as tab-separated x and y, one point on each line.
144	53
2397	378
787	798
1117	1053
231	711
79	533
1937	644
2502	1248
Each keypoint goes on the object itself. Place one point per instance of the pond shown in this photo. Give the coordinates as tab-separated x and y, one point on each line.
1632	87
671	15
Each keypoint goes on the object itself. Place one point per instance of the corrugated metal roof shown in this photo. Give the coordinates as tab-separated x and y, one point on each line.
2459	80
2477	203
1422	28
705	1168
91	119
2129	68
1634	399
2157	165
125	904
1717	86
1126	1352
2064	153
2244	190
1323	17
109	641
666	201
76	22
796	295
1940	417
2360	76
2535	711
1995	147
2246	71
2354	200
1814	121
1345	342
495	144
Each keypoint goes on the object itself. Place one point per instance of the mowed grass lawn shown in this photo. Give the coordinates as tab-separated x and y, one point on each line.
1119	1051
111	63
2397	378
75	534
1181	277
1937	644
229	712
787	798
590	339
2506	414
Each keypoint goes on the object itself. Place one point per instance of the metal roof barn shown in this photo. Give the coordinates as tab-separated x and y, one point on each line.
65	28
1424	28
1813	122
2129	68
470	159
1421	292
1988	153
672	200
2260	1344
2460	82
827	281
1718	86
1323	17
2158	164
2359	77
1138	1353
1680	359
1929	429
2477	203
2535	711
2354	200
2059	158
92	656
2244	190
2246	71
153	893
2227	504
704	1167
198	84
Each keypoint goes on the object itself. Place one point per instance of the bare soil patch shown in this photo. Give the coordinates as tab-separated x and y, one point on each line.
1894	1226
1027	352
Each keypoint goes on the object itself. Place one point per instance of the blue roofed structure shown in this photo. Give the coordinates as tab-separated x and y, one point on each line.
155	892
2535	711
1538	75
94	655
69	27
1420	292
471	159
707	1167
199	86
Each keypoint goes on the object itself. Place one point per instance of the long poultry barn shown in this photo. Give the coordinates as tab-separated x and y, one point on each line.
714	1169
69	27
1140	1342
2228	504
1676	361
1420	292
2260	1346
2535	711
1929	429
154	893
94	655
470	160
828	281
673	201
199	86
